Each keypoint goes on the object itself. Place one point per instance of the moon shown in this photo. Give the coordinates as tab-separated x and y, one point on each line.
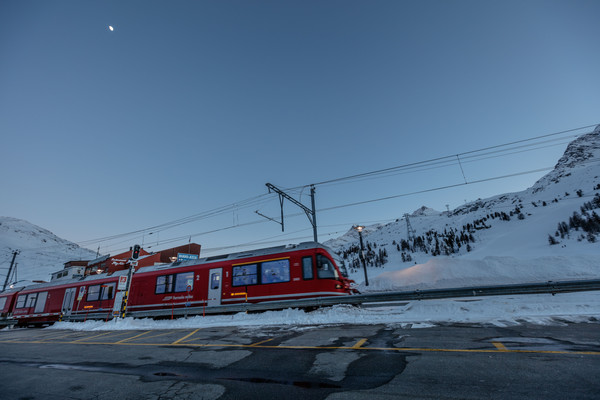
110	28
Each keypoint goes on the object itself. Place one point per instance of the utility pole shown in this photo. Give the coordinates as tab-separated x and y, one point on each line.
410	232
360	228
10	270
310	213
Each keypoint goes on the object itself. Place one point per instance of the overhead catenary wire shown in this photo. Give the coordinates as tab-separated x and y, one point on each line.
451	156
529	144
374	200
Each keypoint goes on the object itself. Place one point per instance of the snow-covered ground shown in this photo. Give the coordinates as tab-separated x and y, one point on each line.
438	273
544	309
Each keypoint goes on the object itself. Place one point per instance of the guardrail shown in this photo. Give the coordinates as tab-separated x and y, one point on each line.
549	287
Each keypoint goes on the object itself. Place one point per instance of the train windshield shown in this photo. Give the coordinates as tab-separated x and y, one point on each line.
341	265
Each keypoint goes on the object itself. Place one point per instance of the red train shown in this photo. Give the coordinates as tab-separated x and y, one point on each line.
208	285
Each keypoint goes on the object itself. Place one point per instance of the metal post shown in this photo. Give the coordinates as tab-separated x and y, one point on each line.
133	264
314	211
362	252
10	270
311	214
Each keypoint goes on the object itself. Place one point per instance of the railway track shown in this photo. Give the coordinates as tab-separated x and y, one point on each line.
550	287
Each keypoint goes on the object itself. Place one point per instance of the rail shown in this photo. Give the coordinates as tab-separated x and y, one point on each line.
550	287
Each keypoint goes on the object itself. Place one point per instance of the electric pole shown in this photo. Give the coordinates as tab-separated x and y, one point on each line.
410	232
10	270
310	213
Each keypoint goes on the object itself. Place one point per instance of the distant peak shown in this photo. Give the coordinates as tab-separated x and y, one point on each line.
424	211
577	154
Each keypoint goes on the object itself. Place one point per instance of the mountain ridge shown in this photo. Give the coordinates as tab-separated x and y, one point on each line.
512	224
40	251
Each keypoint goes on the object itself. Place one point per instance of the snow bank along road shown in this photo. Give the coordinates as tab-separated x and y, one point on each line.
313	362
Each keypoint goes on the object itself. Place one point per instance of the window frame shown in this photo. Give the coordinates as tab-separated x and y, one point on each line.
97	294
320	258
21	296
259	272
168	284
312	268
185	279
31	300
172	280
104	288
242	266
286	267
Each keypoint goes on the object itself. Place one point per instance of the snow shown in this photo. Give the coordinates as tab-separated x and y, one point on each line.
40	251
543	309
459	272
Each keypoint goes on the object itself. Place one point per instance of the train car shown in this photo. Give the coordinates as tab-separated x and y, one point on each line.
307	270
280	273
73	299
7	303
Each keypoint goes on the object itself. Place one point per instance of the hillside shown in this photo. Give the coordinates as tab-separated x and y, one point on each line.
547	232
41	252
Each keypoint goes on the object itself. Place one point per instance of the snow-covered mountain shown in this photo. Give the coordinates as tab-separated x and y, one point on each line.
506	238
40	251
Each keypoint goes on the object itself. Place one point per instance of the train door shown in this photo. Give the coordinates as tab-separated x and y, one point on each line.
214	287
41	302
68	301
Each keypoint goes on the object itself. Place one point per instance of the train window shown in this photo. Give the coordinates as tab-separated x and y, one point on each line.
21	301
325	268
31	298
164	284
341	265
183	280
108	291
243	275
41	302
93	293
2	302
307	268
215	281
275	271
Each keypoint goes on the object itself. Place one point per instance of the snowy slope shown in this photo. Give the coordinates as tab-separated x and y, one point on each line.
503	239
41	252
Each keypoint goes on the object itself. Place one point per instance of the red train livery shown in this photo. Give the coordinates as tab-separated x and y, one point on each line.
209	285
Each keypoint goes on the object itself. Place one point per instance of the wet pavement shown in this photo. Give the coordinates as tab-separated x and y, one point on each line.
312	362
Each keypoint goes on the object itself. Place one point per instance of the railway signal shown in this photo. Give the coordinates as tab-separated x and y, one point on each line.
135	254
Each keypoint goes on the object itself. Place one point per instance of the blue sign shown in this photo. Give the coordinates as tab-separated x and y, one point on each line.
184	256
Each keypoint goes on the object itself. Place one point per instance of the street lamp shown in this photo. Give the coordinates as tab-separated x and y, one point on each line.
360	228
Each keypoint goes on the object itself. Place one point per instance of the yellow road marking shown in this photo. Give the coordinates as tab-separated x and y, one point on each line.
63	336
259	343
159	335
185	337
91	337
57	335
133	337
500	346
359	344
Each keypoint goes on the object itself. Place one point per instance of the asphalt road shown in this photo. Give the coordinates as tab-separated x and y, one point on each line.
316	362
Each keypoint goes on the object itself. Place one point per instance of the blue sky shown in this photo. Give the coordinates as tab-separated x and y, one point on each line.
188	106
